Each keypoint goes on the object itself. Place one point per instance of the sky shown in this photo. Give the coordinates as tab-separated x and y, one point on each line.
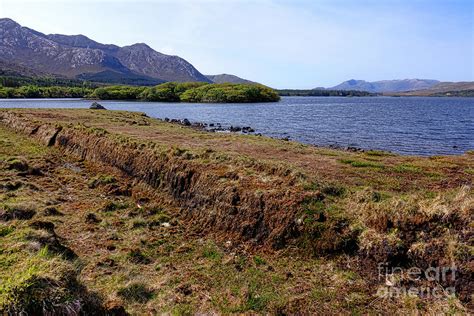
280	43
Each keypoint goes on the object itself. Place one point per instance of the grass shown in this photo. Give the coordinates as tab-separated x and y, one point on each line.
136	292
407	168
211	251
378	153
259	261
180	268
6	230
101	180
361	163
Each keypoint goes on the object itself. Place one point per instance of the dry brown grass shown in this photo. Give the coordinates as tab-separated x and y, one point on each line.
385	206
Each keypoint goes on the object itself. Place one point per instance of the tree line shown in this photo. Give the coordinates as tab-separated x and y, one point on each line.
20	81
196	92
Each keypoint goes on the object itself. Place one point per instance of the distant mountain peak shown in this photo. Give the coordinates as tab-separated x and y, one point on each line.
77	56
354	81
140	45
8	21
397	85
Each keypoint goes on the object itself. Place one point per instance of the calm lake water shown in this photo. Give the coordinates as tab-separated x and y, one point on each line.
406	125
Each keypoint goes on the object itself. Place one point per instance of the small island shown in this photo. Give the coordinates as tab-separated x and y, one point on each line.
192	92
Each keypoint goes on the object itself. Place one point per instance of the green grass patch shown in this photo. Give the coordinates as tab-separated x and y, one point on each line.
407	168
378	153
361	163
259	261
6	230
210	251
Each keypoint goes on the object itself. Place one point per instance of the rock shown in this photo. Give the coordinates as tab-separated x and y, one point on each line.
97	106
186	122
198	125
354	149
247	129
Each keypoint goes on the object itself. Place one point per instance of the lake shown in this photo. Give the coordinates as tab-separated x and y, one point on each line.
406	125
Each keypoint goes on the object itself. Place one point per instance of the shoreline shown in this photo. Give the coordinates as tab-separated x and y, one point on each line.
170	191
216	126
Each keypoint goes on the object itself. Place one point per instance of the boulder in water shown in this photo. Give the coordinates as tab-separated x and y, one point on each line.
97	106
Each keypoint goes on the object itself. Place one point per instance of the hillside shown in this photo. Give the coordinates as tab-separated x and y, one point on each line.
386	85
226	78
77	56
443	89
112	212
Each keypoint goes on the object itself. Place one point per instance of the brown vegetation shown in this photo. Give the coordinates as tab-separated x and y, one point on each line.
161	197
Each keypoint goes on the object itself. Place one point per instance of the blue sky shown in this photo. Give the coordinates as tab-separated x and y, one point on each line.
281	43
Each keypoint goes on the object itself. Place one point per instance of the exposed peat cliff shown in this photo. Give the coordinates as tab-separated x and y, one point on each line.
217	197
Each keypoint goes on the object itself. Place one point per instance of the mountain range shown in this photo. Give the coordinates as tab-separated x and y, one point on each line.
23	50
26	52
442	88
386	85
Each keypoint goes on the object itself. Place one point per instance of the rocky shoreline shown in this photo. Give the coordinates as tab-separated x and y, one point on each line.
220	128
257	196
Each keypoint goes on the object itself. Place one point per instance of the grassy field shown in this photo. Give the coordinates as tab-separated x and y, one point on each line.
125	212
